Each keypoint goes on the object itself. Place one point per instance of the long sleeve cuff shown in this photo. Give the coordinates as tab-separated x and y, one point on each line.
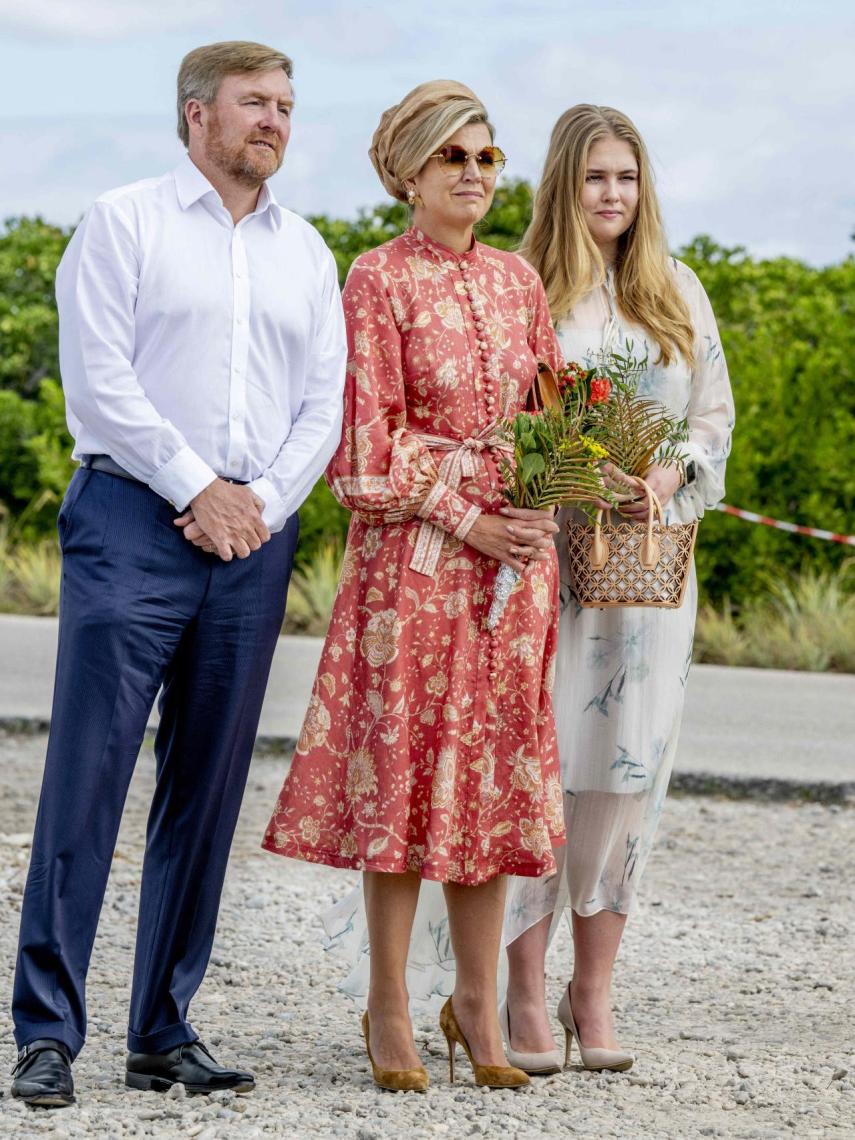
182	478
448	510
275	513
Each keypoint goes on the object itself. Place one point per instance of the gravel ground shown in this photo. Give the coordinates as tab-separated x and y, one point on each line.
735	989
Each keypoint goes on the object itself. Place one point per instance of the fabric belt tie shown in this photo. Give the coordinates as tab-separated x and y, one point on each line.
461	460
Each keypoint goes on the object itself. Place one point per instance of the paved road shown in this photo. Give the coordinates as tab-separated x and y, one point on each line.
750	725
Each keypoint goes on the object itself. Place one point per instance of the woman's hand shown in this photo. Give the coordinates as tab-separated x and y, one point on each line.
527	538
664	481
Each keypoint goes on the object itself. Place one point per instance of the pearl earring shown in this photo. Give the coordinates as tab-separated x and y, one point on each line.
411	197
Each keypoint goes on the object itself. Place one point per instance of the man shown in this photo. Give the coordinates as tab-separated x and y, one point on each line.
203	355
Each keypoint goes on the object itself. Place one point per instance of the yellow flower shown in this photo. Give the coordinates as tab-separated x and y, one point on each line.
594	449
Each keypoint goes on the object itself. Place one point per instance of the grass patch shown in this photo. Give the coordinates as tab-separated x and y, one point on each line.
29	577
312	592
805	622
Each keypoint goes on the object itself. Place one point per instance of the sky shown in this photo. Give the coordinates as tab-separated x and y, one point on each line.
746	107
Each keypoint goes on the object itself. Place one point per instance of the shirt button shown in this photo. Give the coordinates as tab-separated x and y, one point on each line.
485	356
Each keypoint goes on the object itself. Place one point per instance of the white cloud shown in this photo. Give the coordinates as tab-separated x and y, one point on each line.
103	19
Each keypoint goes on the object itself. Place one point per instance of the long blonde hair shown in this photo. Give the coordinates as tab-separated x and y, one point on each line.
559	245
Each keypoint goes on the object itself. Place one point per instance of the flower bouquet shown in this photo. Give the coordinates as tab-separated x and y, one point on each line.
629	563
635	431
554	463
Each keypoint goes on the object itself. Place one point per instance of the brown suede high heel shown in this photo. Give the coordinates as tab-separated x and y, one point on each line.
396	1080
489	1076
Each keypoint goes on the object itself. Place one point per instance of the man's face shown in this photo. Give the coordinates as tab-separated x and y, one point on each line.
246	128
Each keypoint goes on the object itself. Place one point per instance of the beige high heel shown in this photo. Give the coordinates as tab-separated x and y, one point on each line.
489	1076
535	1064
613	1059
396	1080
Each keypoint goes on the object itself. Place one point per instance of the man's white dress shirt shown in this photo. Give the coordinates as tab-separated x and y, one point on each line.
191	347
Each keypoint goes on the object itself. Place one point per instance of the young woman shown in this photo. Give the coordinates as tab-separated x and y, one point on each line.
596	239
428	751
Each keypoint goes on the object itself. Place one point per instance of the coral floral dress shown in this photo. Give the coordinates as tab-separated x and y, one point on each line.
429	743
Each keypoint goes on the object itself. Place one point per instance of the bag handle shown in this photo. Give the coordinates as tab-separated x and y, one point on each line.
650	549
544	394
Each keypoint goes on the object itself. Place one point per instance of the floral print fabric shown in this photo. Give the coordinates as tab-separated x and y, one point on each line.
429	743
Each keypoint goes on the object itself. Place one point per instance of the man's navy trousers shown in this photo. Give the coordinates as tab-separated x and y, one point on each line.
141	608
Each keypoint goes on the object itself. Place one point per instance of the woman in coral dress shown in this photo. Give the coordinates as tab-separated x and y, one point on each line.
429	751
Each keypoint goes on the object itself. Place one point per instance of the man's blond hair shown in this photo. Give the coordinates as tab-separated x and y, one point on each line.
204	69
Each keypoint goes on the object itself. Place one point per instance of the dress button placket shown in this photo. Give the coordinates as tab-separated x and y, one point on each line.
489	377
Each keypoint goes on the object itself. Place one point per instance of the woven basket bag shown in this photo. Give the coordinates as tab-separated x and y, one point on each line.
631	564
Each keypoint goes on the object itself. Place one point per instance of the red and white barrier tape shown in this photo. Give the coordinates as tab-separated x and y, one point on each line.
793	528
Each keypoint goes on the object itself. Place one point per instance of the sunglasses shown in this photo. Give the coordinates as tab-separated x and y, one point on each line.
454	158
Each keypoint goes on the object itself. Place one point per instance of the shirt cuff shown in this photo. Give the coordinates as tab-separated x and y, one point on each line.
448	510
274	512
182	478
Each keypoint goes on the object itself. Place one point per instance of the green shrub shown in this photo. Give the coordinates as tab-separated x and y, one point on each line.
312	592
29	577
788	332
805	622
323	521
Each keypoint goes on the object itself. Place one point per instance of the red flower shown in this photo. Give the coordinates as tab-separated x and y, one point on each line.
570	375
601	389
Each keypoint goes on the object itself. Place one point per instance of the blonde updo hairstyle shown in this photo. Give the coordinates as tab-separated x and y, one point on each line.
559	245
411	131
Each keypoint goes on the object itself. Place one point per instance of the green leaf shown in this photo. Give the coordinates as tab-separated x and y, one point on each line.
532	464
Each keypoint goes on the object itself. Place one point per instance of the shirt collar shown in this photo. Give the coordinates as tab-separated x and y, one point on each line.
192	185
441	253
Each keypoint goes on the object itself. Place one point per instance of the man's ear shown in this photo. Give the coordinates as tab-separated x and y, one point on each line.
194	112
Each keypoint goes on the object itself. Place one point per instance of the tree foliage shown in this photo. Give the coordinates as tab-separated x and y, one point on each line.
788	331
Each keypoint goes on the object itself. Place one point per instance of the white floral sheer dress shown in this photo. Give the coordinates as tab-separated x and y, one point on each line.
621	672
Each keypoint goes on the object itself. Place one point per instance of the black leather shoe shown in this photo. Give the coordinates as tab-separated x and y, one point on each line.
42	1074
190	1065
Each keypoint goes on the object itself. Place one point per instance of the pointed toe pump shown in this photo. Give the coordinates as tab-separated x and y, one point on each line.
613	1059
396	1080
488	1076
535	1064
